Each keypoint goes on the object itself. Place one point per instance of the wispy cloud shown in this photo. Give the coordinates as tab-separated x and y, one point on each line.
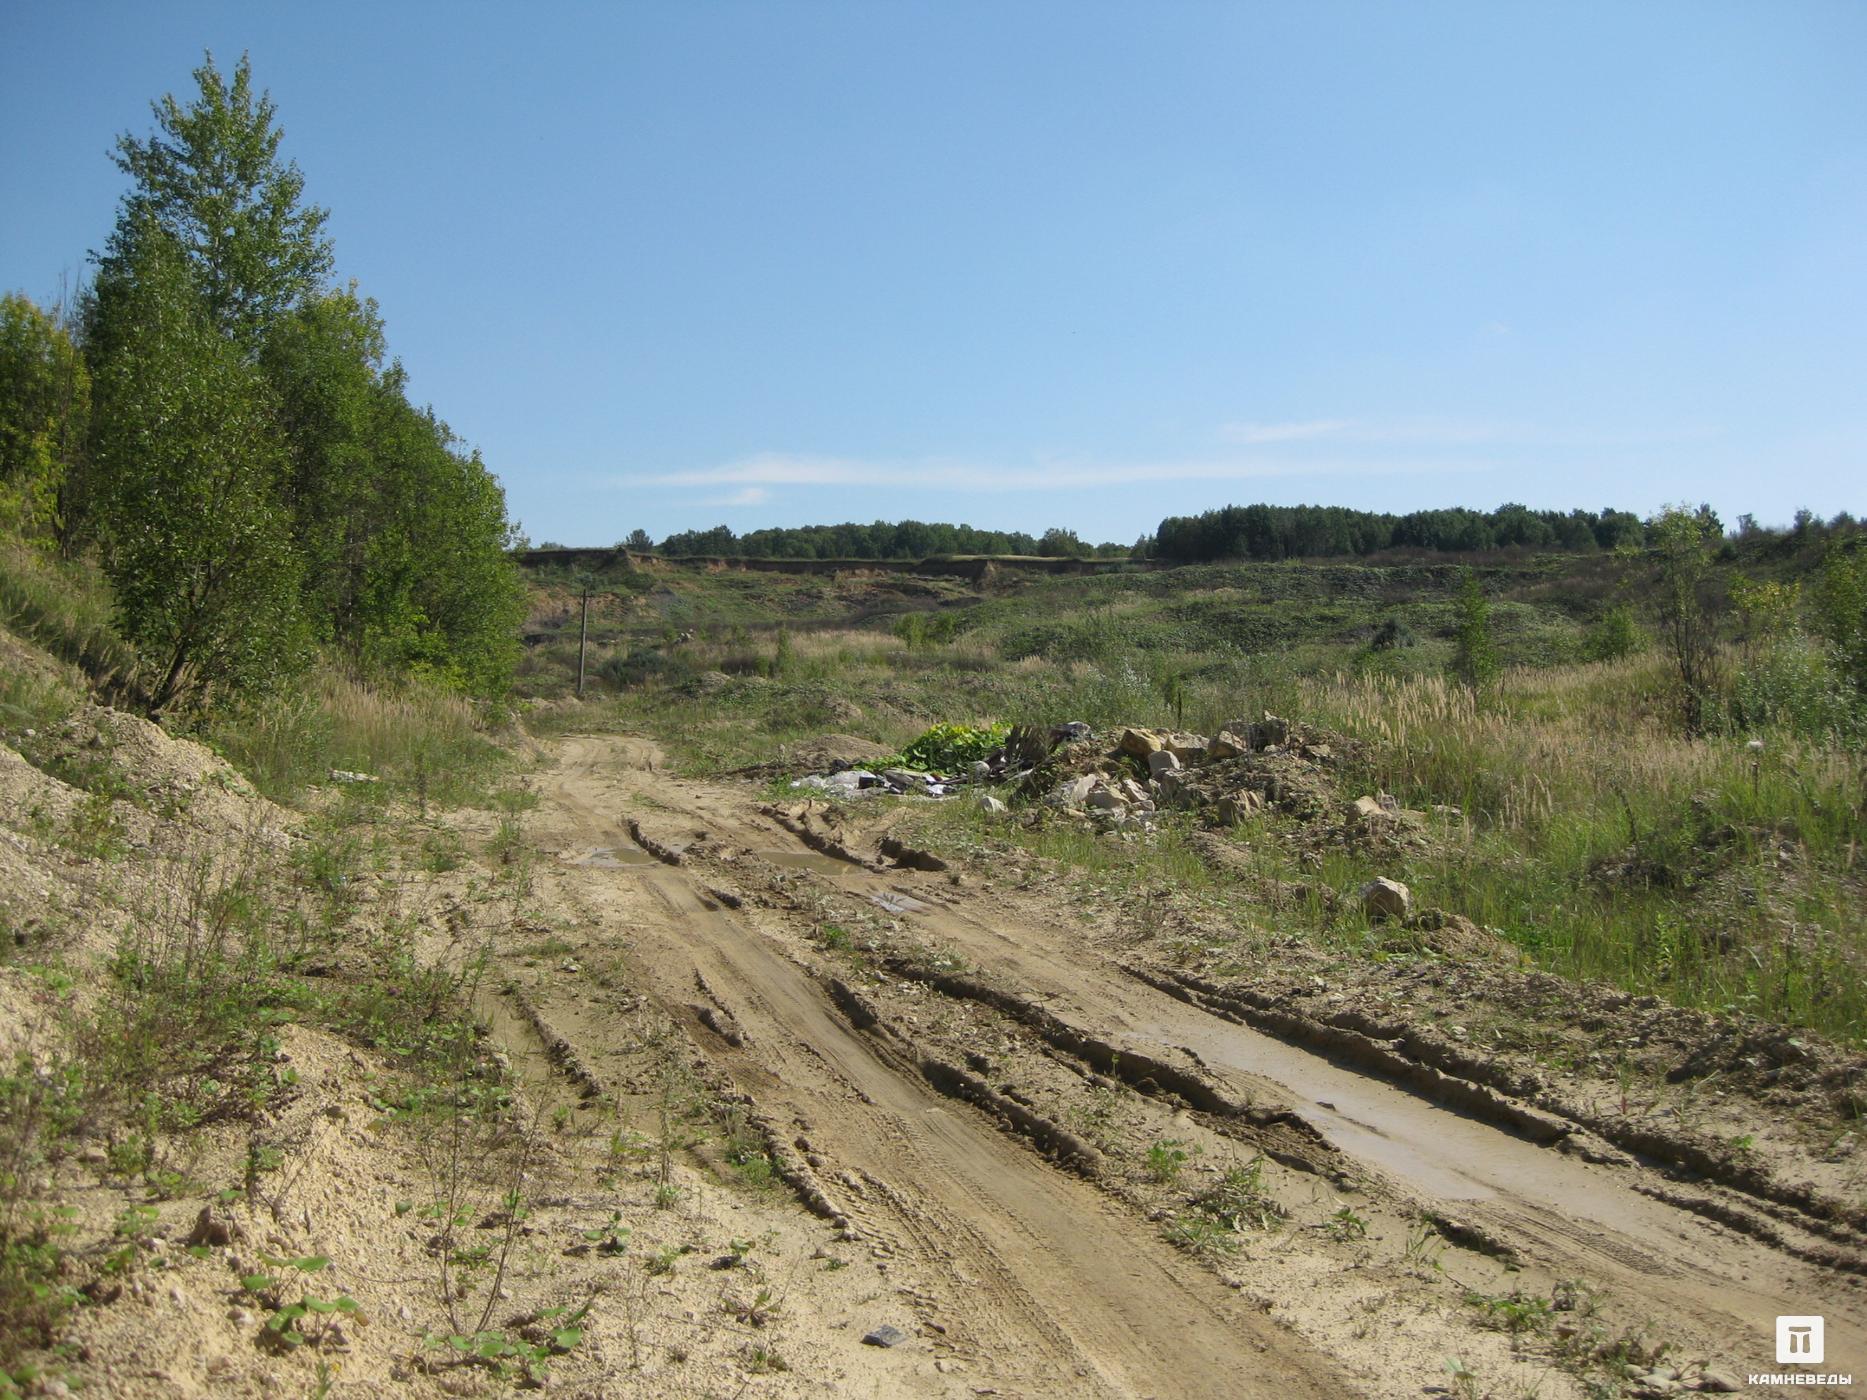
1453	433
1249	451
757	476
745	496
1252	433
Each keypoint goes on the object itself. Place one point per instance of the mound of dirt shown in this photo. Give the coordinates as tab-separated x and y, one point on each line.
830	753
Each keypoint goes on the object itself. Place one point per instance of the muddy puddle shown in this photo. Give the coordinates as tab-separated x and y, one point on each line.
606	858
514	1034
806	860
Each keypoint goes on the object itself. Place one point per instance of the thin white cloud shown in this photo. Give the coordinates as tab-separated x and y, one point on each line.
761	473
1453	433
1253	433
745	496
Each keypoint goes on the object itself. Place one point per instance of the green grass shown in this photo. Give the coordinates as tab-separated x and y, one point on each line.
424	745
67	609
1596	839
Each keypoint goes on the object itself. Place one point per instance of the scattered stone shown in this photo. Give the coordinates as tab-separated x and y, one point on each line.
1382	898
981	771
1102	800
1225	744
1238	806
1162	761
1071	732
342	775
1719	1383
1270	732
209	1230
1141	742
1367	811
991	806
887	1335
1071	792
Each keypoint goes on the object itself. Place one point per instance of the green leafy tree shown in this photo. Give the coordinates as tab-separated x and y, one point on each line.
1841	610
45	399
210	179
1682	541
187	461
1059	543
443	598
638	542
1614	635
1474	656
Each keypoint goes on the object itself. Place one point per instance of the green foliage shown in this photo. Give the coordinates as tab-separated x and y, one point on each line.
921	629
45	401
1308	532
256	477
1613	636
66	608
40	1102
1345	1226
1682	542
1165	1159
186	463
946	747
1474	656
211	183
1841	611
1792	683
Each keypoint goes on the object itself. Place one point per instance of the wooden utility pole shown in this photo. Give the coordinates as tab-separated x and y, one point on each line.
583	637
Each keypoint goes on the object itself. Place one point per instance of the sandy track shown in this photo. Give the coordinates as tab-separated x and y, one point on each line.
1036	1279
1039	1282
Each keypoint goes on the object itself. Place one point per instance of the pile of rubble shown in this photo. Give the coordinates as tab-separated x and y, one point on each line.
1245	769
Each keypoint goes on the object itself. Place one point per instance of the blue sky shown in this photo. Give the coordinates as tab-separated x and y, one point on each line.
669	265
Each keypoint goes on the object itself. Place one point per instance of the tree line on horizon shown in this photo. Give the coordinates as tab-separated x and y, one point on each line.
221	430
905	539
1256	532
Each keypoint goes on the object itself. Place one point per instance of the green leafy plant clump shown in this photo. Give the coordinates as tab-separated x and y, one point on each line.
949	746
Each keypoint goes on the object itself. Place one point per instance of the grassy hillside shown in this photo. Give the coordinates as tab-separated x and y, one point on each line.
1593	834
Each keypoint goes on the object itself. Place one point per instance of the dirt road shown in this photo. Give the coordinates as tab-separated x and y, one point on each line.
932	1117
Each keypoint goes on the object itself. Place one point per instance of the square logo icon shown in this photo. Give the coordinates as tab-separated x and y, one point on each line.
1799	1339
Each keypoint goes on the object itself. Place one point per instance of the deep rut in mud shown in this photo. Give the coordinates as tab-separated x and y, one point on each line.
989	1210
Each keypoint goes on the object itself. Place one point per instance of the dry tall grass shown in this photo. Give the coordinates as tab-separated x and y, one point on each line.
430	743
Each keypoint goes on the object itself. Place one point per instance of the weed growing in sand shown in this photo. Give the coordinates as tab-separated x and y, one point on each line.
1237	1203
308	1320
611	1237
40	1103
662	1261
525	1353
1513	1312
1424	1244
1239	1199
1165	1159
1465	1383
1344	1226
